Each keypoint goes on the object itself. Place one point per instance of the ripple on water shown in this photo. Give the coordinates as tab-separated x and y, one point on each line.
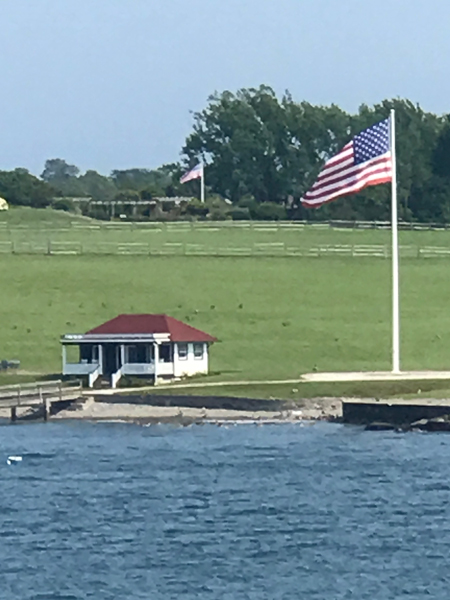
123	511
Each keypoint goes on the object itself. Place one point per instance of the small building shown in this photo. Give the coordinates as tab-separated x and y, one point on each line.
153	346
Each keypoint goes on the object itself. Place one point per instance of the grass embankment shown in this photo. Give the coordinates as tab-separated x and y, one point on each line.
275	317
298	391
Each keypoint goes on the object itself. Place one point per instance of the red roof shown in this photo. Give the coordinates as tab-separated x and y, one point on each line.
150	324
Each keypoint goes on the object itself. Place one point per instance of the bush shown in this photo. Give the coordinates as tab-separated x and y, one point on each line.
240	214
196	208
100	212
268	211
64	204
218	214
248	202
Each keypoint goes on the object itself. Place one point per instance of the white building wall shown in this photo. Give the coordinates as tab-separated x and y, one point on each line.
186	367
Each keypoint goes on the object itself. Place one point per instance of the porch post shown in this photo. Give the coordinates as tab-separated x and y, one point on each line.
156	361
64	358
122	354
100	358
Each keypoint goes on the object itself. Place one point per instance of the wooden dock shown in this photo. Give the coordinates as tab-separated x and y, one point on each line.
37	395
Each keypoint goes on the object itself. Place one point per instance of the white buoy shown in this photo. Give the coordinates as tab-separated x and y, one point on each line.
13	460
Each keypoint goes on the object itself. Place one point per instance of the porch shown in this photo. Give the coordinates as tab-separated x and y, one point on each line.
84	358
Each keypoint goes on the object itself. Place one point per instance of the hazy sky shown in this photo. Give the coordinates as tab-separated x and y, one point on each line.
110	83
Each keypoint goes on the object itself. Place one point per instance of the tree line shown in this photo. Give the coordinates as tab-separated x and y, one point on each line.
261	153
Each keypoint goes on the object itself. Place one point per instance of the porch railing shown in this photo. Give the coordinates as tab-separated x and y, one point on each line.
115	378
93	376
80	368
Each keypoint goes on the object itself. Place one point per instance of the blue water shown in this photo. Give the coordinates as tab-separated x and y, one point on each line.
275	512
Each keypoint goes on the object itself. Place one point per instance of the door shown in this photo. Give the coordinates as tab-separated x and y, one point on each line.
110	363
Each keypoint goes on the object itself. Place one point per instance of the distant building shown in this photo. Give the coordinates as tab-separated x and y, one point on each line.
146	345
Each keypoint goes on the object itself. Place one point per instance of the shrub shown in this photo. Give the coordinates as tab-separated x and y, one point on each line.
196	208
64	204
240	213
218	214
268	211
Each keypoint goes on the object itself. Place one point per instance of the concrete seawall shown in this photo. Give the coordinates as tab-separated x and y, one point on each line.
396	412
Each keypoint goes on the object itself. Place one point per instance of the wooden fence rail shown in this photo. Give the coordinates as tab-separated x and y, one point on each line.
37	394
257	249
208	225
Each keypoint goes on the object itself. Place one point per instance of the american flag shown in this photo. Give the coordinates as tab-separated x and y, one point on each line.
194	173
365	160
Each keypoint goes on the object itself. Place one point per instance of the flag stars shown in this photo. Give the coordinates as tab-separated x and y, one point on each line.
372	142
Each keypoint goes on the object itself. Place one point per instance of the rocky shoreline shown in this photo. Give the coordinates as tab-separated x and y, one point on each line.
185	411
436	424
95	410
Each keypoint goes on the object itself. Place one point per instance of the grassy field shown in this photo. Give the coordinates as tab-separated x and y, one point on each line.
275	317
27	227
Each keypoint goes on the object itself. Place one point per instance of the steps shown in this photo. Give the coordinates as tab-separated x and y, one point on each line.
103	382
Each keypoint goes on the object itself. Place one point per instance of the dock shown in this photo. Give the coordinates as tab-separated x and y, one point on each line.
38	395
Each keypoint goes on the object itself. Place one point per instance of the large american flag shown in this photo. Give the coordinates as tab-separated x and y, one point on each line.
365	160
194	173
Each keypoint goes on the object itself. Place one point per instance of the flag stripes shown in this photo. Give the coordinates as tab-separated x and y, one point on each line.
363	162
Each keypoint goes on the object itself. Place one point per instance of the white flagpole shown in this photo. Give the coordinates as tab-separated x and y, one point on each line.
202	184
395	279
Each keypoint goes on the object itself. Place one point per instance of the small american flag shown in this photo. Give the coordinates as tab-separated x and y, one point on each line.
194	173
366	160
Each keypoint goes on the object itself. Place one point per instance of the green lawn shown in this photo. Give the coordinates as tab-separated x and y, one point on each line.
275	317
39	218
297	391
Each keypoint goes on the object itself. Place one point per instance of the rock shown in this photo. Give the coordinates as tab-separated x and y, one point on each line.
380	426
436	424
420	424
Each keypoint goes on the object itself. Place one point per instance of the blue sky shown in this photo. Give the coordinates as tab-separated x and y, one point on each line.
111	84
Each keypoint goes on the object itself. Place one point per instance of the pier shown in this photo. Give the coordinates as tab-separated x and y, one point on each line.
38	395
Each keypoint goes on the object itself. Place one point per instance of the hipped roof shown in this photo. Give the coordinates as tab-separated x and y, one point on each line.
151	324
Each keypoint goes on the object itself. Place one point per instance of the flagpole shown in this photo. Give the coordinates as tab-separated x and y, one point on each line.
395	278
202	184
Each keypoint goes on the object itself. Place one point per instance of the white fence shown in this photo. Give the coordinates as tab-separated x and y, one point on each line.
180	226
261	249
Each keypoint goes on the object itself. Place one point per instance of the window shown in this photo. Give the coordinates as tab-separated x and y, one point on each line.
198	351
165	353
182	351
95	354
131	356
137	354
88	353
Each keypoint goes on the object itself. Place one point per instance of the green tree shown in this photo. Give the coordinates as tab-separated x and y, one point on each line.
57	169
96	186
441	151
255	144
63	177
21	188
140	179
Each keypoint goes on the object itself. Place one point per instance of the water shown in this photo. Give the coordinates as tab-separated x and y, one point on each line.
276	512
